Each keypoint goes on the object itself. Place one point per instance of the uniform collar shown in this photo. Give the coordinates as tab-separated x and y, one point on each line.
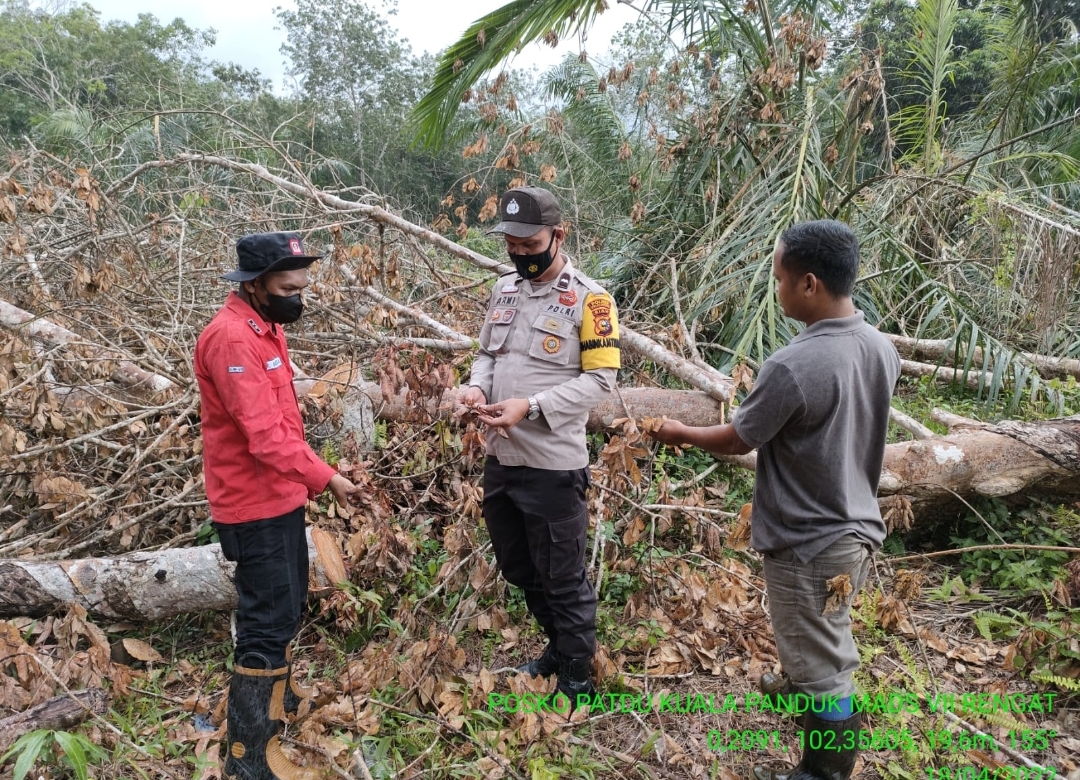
565	274
245	312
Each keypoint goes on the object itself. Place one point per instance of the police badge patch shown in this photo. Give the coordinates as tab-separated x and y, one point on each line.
552	344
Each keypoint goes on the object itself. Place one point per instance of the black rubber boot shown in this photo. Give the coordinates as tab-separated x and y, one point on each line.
256	705
299	700
545	665
574	679
829	760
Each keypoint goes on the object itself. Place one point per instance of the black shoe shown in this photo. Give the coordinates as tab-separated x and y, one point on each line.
574	679
830	760
545	665
256	705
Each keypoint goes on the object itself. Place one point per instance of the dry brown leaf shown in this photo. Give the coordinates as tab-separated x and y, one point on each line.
141	651
907	584
839	593
739	537
633	532
652	424
743	376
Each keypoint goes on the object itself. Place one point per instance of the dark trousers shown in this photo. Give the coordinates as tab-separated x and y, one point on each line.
271	584
537	520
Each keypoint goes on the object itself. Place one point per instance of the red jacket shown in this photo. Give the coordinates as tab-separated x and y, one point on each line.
256	462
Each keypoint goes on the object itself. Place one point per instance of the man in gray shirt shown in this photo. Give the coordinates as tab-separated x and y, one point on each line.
818	416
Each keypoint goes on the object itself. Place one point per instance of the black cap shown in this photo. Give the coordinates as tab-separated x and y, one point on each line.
524	210
263	253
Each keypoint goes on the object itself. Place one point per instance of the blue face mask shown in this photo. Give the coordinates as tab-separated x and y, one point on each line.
532	266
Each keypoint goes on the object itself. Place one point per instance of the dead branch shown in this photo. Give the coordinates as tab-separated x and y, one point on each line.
58	713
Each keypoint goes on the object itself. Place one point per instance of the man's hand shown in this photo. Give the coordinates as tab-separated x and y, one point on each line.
468	401
671	432
505	414
343	490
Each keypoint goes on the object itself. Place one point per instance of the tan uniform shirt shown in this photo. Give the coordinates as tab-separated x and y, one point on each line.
558	342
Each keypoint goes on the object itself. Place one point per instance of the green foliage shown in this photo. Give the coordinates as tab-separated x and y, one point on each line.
54	748
1021	571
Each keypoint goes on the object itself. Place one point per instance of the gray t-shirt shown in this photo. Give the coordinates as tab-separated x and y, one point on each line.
818	416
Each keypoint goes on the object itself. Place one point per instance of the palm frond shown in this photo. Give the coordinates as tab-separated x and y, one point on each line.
487	42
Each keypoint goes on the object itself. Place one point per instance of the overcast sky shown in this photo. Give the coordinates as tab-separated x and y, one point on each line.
246	31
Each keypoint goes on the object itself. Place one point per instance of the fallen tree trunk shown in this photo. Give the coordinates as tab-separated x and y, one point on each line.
693	407
943	350
144	586
994	461
59	713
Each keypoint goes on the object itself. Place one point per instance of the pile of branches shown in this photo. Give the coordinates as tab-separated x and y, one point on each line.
107	286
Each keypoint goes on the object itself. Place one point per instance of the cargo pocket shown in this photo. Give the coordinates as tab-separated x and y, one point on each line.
567	546
496	338
552	339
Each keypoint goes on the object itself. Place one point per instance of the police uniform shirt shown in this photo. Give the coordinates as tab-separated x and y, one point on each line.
557	342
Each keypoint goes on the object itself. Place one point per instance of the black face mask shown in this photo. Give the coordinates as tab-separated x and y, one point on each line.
281	309
532	266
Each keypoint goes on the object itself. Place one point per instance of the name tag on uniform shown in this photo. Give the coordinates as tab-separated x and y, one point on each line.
272	364
236	369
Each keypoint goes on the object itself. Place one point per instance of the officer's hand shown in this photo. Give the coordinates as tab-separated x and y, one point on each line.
505	414
468	401
343	489
671	432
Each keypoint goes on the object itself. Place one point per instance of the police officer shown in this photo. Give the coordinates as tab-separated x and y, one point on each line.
549	352
259	473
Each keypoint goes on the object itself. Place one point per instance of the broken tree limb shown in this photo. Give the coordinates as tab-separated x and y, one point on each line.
944	349
58	713
712	382
945	374
39	329
144	586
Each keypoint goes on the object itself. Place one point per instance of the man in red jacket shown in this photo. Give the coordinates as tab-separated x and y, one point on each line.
259	473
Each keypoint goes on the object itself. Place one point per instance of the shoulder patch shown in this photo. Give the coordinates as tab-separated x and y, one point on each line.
599	333
236	369
273	363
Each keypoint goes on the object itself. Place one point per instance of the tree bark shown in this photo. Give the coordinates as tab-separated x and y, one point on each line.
693	407
144	586
996	461
59	713
937	349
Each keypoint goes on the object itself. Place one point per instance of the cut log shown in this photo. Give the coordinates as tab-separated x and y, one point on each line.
144	586
945	375
59	713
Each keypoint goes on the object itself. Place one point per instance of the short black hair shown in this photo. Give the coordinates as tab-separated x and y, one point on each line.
825	248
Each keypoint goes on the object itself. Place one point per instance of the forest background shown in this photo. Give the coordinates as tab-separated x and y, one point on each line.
944	132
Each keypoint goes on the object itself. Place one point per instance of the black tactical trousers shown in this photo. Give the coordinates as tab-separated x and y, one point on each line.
271	583
537	520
